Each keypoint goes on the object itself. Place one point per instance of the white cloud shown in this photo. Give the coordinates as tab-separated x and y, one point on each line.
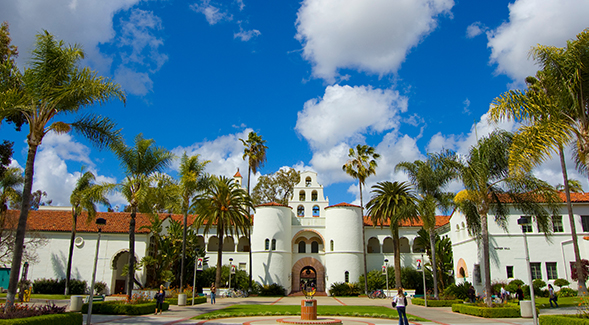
345	113
533	22
475	29
138	83
246	35
370	35
466	104
212	13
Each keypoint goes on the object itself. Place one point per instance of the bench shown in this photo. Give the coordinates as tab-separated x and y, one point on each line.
94	298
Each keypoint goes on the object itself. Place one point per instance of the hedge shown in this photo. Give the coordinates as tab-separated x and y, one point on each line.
562	320
494	312
435	303
53	319
118	308
197	300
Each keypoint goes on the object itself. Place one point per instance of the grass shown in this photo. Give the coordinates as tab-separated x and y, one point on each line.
562	302
291	310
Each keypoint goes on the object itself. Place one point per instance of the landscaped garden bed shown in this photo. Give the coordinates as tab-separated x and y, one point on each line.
497	311
435	303
562	320
53	319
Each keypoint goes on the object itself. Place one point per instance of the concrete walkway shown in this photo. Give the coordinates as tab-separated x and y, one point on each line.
182	314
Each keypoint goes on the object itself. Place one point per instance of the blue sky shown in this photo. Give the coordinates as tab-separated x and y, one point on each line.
313	78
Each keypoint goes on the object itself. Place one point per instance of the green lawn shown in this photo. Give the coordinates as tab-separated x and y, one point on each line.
562	302
271	310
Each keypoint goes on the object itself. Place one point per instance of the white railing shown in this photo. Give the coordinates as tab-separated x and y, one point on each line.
308	221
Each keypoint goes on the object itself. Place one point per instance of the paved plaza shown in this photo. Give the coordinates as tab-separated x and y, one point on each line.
180	315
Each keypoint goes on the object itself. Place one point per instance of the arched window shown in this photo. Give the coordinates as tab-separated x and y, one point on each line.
302	195
302	247
373	245
308	181
273	244
301	211
267	244
347	277
314	247
243	245
388	245
331	245
200	242
404	245
213	244
417	247
316	211
228	244
314	196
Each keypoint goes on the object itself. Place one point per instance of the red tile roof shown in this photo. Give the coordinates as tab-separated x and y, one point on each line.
237	174
575	197
272	204
343	204
440	221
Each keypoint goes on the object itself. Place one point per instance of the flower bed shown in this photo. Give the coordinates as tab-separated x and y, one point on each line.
54	319
435	303
497	311
122	308
562	320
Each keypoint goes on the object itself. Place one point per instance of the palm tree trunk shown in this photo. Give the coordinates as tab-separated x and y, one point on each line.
432	243
363	240
249	232
22	225
582	289
68	271
219	257
486	258
131	275
397	248
183	251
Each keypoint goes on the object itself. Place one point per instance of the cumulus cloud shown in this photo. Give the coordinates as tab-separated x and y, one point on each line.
373	36
345	113
212	13
475	29
533	22
138	83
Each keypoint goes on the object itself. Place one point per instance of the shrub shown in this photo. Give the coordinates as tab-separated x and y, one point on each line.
24	311
273	289
458	291
435	303
561	320
561	283
567	292
496	288
493	312
54	319
512	286
538	285
54	286
99	287
344	289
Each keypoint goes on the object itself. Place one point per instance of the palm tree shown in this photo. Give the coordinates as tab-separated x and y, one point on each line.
393	203
224	205
192	181
575	186
430	177
10	184
488	184
84	197
54	86
362	163
141	164
255	152
553	111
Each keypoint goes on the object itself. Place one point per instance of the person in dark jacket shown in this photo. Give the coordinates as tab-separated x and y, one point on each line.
159	299
520	293
471	294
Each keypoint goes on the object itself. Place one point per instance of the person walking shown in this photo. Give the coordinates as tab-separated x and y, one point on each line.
400	302
552	296
159	299
471	294
213	293
519	293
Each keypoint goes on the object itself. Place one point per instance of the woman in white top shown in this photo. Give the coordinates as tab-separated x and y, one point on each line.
400	301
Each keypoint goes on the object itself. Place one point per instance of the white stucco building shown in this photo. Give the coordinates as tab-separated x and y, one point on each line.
308	240
550	257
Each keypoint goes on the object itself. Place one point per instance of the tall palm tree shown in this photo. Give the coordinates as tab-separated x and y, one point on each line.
575	186
393	203
84	197
362	163
430	177
10	184
255	153
488	184
141	163
553	110
192	181
224	205
54	86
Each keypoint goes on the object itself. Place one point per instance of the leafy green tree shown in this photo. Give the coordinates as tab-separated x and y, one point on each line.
10	184
393	203
444	256
430	177
54	86
141	164
575	186
255	153
85	196
489	185
225	206
277	187
10	76
361	165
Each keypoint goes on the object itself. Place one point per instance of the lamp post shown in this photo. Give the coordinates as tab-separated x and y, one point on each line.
424	287
523	222
230	269
99	222
386	263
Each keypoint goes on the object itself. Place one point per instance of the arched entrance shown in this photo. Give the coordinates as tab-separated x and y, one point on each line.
305	270
308	278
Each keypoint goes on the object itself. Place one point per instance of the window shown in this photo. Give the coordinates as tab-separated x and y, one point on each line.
536	271
302	196
301	211
302	247
331	245
242	266
273	244
477	273
527	228
316	211
267	244
314	247
314	196
585	223
557	224
509	272
551	271
347	277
